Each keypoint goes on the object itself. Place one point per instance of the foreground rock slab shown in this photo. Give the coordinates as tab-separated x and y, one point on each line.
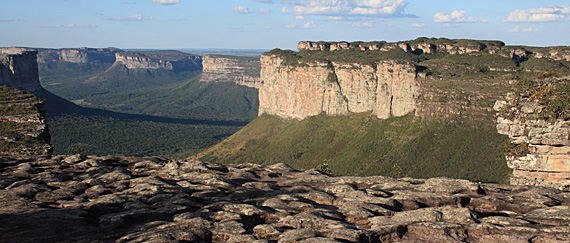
127	199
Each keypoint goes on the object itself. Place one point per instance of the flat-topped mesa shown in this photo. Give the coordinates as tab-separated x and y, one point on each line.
296	90
238	70
19	69
541	155
170	60
77	55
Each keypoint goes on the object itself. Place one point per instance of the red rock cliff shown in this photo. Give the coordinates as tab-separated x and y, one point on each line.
384	89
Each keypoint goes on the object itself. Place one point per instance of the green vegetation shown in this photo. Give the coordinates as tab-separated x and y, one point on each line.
104	135
552	94
363	145
189	99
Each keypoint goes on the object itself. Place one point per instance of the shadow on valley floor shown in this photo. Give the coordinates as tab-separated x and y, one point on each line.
60	106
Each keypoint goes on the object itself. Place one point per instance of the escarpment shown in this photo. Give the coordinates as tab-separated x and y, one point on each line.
384	89
238	70
426	77
535	118
19	69
23	128
170	60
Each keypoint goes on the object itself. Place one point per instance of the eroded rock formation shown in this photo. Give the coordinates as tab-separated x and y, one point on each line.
23	129
542	153
19	69
433	45
238	70
170	60
127	199
296	91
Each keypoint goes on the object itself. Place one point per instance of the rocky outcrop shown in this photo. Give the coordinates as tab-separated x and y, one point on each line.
443	45
296	91
170	60
77	55
23	129
542	152
19	69
238	70
127	199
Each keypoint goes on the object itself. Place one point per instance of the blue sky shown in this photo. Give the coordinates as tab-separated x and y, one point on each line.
268	24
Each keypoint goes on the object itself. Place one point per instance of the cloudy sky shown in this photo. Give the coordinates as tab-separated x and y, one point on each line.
268	24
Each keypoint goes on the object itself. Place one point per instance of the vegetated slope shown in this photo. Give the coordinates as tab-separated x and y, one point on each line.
454	134
364	145
189	99
80	81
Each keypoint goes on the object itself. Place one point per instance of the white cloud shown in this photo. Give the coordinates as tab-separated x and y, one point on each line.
285	10
136	17
529	29
544	14
241	10
309	25
457	16
300	17
264	11
416	25
366	24
77	26
518	29
165	2
358	8
450	25
293	25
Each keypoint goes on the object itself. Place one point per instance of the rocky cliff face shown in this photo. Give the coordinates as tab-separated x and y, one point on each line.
77	55
542	153
127	199
296	91
23	129
19	69
239	70
170	60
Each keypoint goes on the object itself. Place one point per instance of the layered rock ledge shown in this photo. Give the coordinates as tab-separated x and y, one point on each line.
542	152
126	199
234	69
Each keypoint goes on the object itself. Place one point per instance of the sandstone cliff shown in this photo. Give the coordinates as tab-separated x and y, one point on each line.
19	69
128	199
77	55
239	70
297	91
170	60
542	152
23	129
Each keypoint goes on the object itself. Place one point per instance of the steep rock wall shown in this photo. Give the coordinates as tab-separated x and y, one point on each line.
239	70
384	89
77	55
170	60
23	129
542	153
19	69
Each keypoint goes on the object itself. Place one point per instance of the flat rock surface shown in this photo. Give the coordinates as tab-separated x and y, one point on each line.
127	199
